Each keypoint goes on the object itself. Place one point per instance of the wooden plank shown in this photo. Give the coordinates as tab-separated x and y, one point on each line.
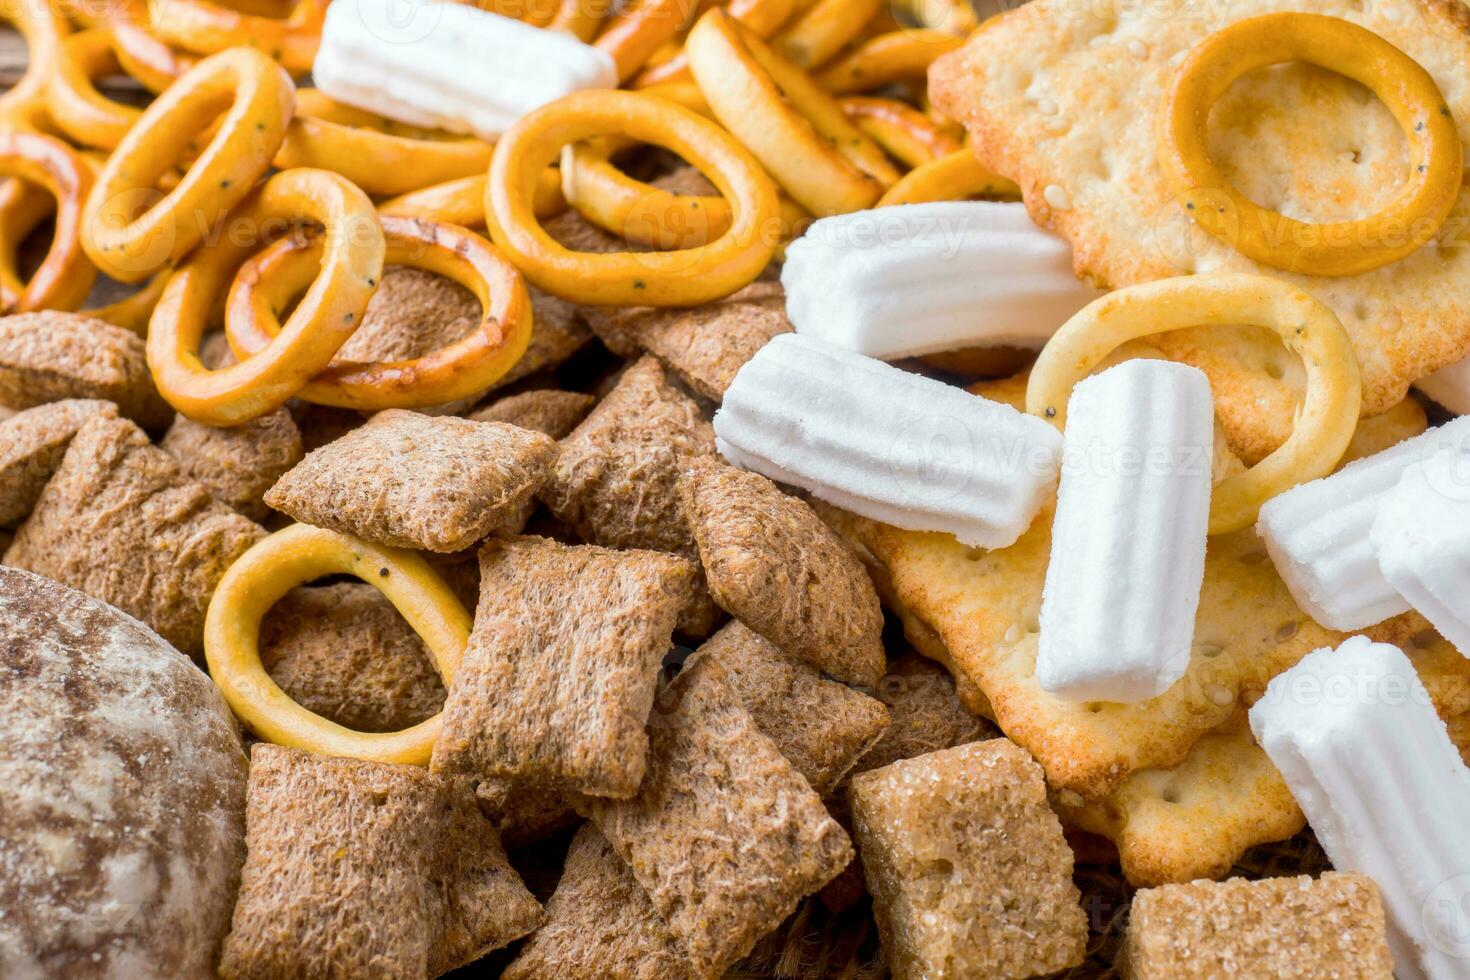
12	56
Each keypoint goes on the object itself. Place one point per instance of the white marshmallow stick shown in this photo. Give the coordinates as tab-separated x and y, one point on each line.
886	444
1422	539
450	65
1128	540
1372	766
925	278
1318	533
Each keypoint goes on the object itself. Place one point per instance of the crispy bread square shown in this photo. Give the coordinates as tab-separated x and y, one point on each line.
1290	928
968	868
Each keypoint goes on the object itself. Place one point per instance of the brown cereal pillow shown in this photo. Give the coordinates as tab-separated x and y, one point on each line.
239	464
776	567
417	481
32	444
45	357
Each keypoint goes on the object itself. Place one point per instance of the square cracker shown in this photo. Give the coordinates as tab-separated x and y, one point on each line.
358	868
821	726
1290	928
724	835
599	924
121	523
968	868
415	481
1064	98
559	675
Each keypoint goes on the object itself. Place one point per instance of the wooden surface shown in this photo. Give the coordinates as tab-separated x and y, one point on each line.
12	57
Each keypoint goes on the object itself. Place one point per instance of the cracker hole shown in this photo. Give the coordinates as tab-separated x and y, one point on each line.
1171	795
1286	631
1424	639
1094	707
1275	371
1252	557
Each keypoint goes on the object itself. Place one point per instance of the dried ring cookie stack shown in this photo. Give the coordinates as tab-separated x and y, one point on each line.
768	489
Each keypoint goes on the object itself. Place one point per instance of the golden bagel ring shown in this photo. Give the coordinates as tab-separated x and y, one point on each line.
381	157
580	18
464	369
907	134
1340	248
84	114
263	575
953	17
954	177
24	105
323	320
130	248
823	29
23	207
686	277
647	215
1329	409
640	29
762	18
206	28
65	275
142	55
885	59
797	131
462	201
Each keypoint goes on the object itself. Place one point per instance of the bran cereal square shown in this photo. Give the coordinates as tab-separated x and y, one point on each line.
523	813
925	712
32	444
967	865
345	653
599	924
724	835
121	523
821	726
417	481
559	675
238	464
1291	928
614	480
773	564
546	410
48	356
358	868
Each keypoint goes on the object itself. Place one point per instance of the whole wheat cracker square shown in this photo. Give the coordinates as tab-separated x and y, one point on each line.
821	726
546	410
705	345
599	924
968	868
417	481
557	680
614	480
48	356
776	567
724	836
1065	99
238	464
121	523
345	653
523	813
1197	819
32	443
357	868
1288	928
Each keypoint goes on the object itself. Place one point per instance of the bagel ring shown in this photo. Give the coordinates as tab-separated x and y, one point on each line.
1340	248
274	566
1329	409
66	274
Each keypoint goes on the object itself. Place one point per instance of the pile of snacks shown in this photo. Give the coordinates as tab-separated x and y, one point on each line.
782	488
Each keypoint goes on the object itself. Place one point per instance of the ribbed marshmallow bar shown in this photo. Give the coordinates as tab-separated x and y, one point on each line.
450	65
1422	537
925	278
1128	541
1359	744
1318	534
887	444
